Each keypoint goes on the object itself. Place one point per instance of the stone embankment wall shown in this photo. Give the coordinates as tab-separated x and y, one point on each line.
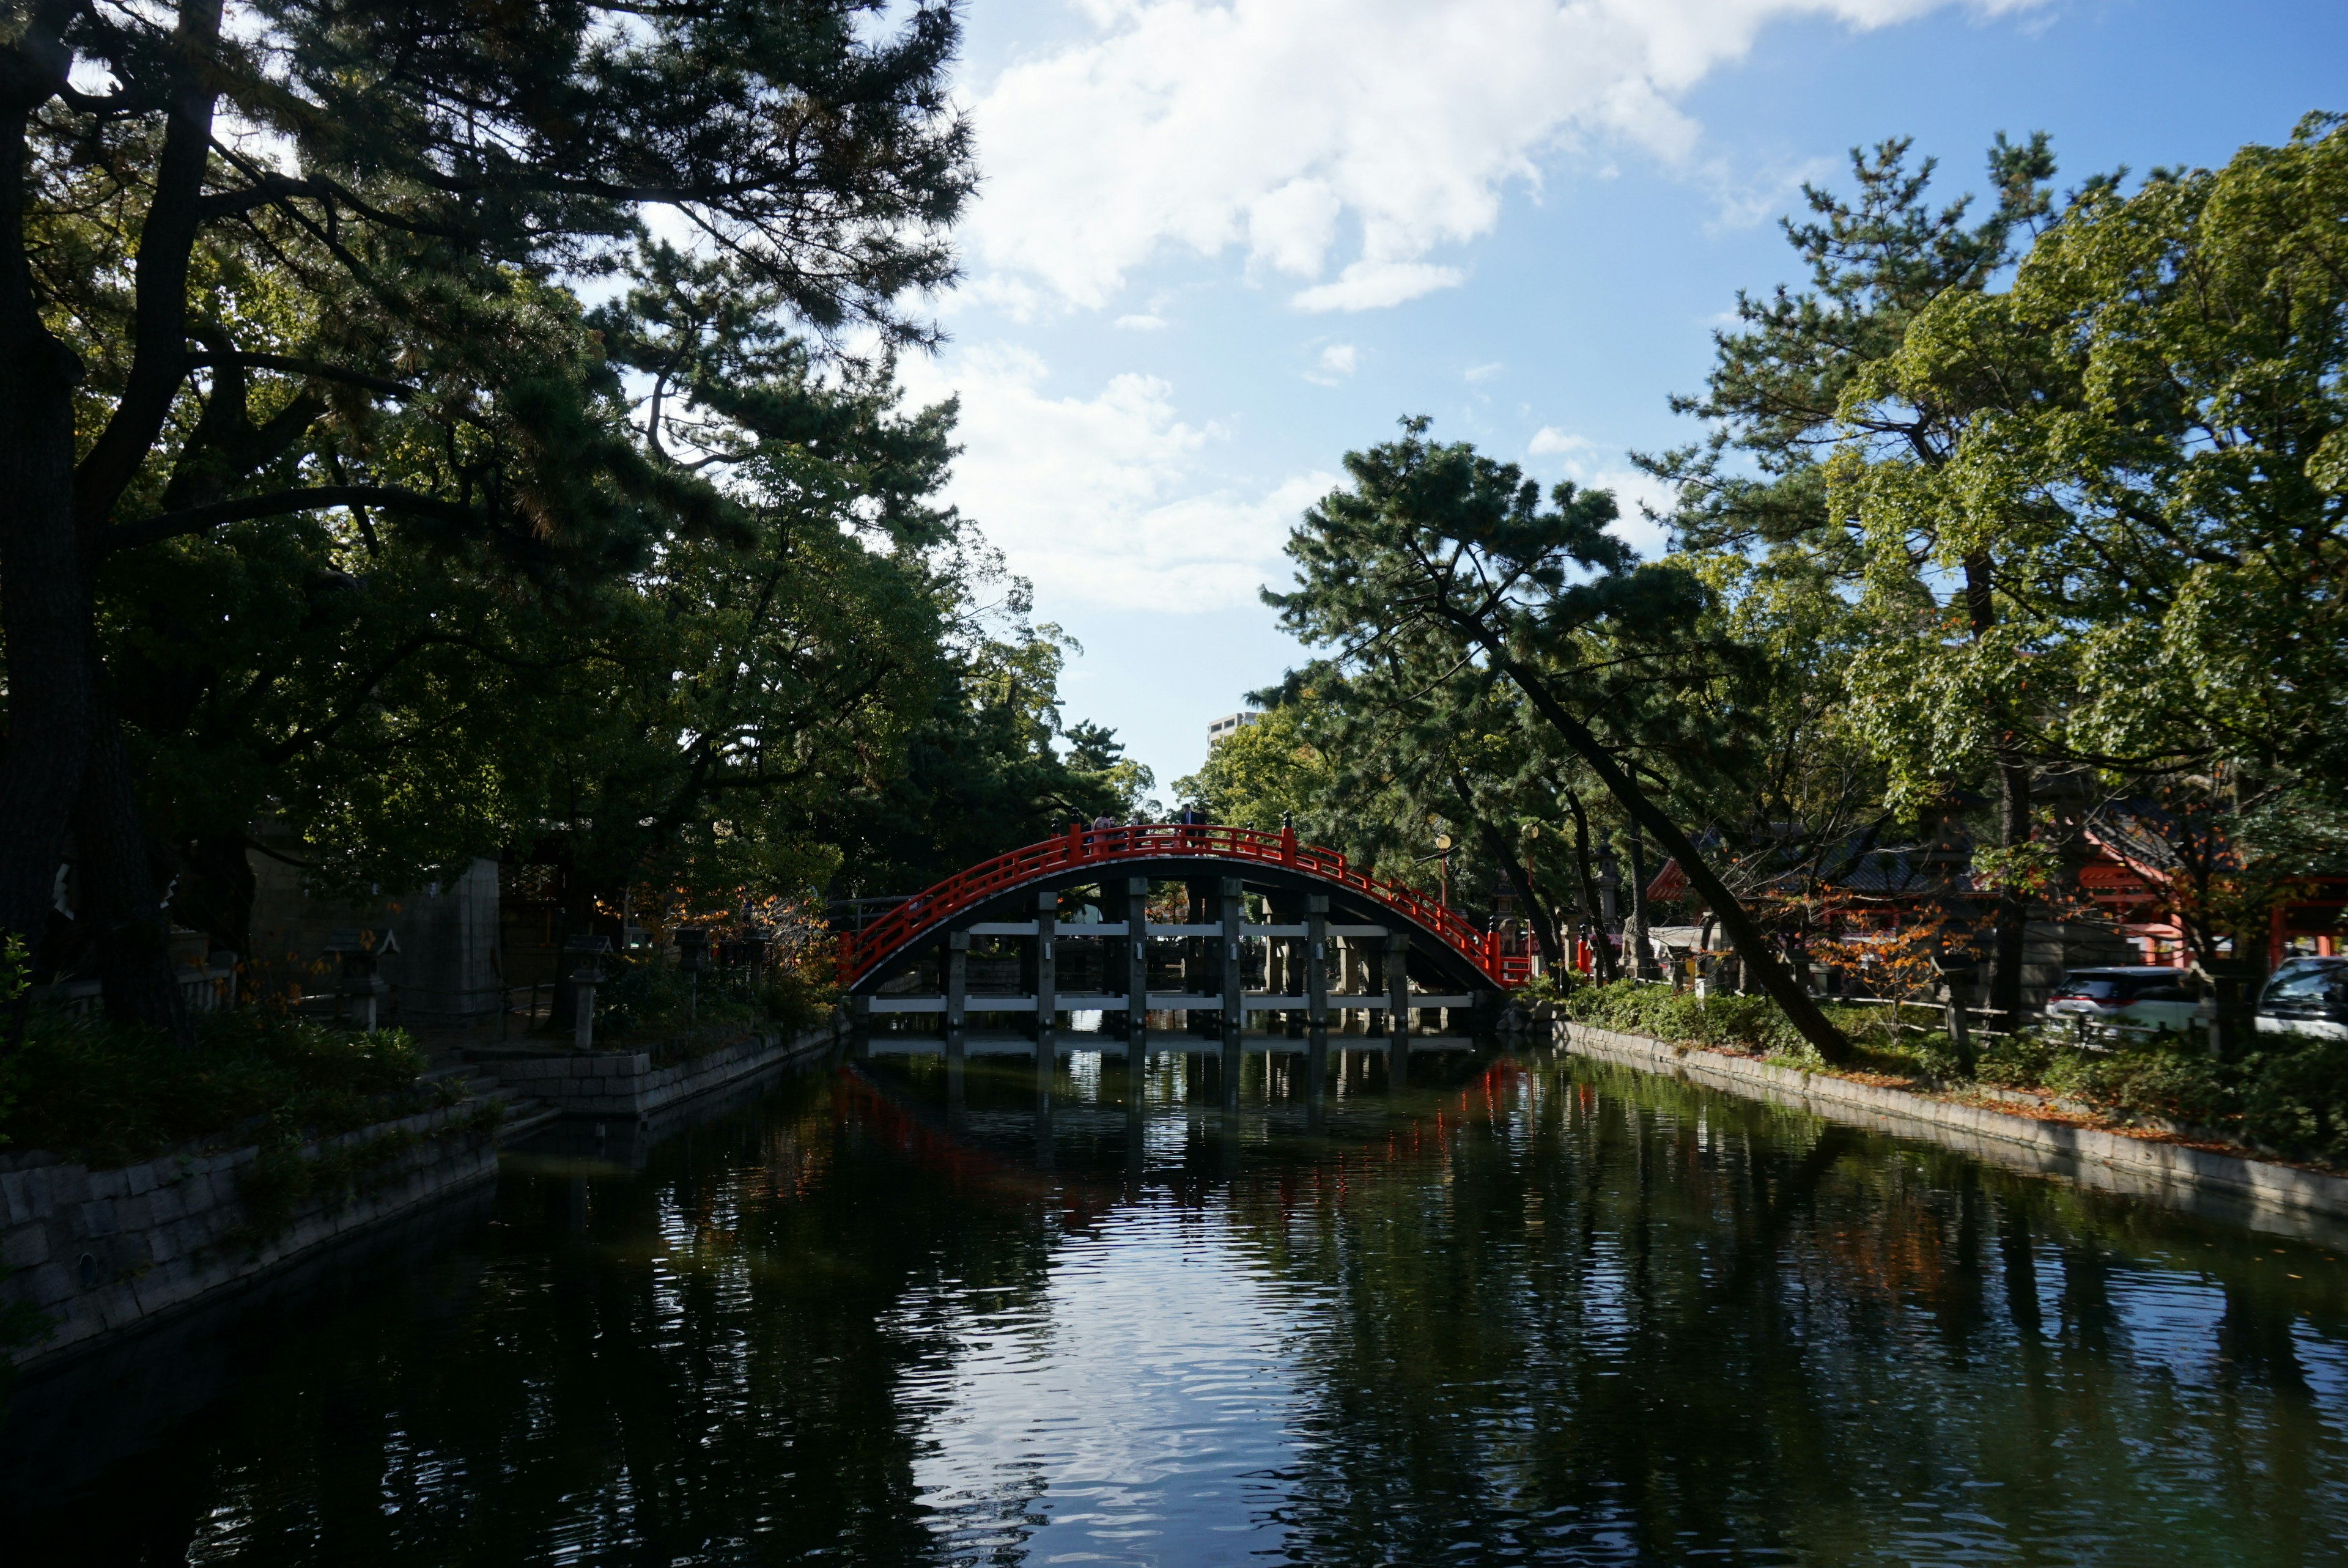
102	1253
2151	1167
105	1253
626	1084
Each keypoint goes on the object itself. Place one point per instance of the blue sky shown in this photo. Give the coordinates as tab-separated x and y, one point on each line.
1220	245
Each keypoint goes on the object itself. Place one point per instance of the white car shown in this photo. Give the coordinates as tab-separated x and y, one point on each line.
2306	996
2142	999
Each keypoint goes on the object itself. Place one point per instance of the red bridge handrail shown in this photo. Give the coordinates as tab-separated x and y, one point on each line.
861	950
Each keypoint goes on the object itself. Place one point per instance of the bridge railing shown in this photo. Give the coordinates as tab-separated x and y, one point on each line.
860	950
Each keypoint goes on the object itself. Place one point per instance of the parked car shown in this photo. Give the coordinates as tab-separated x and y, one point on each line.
2142	998
2306	996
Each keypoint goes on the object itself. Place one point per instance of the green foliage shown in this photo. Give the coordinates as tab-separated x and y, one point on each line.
1259	773
110	1094
1550	988
641	998
2023	1060
794	1000
646	1001
1749	1024
2296	1100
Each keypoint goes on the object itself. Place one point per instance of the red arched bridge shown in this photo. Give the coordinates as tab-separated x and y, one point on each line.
1337	939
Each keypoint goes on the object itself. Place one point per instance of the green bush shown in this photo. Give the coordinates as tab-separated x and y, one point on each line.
643	996
2013	1060
794	1001
108	1094
1550	987
2180	1083
1743	1023
2296	1100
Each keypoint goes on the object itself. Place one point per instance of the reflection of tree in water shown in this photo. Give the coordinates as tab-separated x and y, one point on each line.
1621	1318
1572	1315
708	1361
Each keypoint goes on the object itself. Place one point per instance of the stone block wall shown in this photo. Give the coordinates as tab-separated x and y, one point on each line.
102	1253
620	1084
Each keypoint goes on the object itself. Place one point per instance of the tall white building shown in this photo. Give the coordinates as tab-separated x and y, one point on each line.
1229	723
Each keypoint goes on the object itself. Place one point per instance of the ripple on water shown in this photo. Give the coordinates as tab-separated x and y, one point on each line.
1132	1416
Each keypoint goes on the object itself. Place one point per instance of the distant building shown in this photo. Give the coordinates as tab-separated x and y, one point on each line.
1229	723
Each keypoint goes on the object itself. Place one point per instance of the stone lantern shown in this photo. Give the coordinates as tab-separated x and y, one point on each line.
361	984
582	971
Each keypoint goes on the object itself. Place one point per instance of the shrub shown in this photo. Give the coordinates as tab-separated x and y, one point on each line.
108	1094
2013	1060
1550	987
795	1001
2182	1084
1635	1007
640	996
2296	1100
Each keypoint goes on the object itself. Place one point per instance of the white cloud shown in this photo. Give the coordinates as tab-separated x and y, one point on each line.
1284	125
1142	324
1550	438
1476	374
1107	499
1635	494
1374	285
1338	361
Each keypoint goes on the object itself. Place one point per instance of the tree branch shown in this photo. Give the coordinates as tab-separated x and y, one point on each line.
278	504
317	369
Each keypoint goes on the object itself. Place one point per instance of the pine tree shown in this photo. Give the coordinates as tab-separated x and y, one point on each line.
295	256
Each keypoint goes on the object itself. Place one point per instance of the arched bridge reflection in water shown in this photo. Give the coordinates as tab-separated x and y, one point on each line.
1188	938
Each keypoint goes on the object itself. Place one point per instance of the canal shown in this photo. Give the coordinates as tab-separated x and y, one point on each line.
1526	1310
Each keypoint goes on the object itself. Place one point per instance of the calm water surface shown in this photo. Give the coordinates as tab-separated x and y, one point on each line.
1522	1310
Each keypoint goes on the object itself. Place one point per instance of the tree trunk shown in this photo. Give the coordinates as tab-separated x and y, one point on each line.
1544	928
1601	955
1538	917
2010	921
1641	949
122	896
44	597
1752	945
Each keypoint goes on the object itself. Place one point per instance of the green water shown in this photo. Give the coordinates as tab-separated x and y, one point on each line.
1523	1311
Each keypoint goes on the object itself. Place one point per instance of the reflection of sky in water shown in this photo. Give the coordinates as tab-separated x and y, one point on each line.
1503	1317
1136	1415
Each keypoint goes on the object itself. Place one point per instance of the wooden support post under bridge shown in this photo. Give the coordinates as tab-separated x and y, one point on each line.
1045	981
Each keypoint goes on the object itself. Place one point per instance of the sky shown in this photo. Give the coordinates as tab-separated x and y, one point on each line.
1221	243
